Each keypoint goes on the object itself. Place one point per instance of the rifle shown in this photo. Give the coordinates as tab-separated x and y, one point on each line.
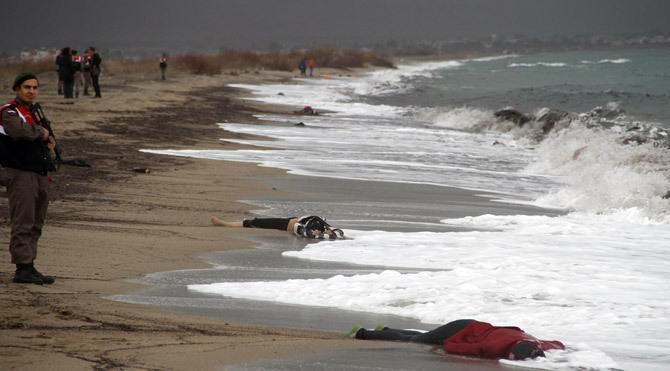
37	112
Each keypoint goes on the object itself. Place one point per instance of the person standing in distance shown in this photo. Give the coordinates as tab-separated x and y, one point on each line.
66	72
60	81
302	66
88	81
25	153
95	70
77	67
163	65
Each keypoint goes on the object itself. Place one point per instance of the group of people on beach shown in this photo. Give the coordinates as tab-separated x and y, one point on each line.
77	71
27	153
303	64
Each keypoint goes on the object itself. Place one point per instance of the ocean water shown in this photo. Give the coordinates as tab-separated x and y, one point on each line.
595	277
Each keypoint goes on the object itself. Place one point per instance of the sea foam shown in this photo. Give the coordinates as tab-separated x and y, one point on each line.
595	278
589	283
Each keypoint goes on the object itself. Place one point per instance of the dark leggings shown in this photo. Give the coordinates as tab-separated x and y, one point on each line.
68	88
96	85
436	336
267	223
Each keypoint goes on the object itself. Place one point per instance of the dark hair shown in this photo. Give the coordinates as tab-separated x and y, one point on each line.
526	349
92	48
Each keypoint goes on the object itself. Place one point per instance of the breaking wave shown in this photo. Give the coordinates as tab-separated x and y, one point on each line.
608	163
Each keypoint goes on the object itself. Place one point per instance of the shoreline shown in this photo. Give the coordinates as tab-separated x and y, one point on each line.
107	225
343	200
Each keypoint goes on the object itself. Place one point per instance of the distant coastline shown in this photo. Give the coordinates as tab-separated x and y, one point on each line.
451	47
520	44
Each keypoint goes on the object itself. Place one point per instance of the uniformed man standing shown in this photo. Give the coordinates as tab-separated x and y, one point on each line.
88	81
77	66
25	153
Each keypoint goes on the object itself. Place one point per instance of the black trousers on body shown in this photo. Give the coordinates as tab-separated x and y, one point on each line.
436	336
267	223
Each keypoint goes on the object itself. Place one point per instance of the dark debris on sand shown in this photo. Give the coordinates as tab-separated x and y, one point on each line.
112	161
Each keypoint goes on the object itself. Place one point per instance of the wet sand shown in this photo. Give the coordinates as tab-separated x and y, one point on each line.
384	206
108	227
348	204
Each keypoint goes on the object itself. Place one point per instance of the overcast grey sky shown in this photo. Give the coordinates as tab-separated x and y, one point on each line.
253	24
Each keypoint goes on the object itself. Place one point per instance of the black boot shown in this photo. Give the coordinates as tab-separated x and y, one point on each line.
47	280
26	273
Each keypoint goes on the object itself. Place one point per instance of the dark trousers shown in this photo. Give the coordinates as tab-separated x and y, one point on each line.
28	194
267	223
68	88
96	85
436	336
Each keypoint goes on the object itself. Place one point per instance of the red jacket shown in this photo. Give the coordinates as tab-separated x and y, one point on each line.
481	339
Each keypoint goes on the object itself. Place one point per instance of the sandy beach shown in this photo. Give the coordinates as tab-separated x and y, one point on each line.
108	224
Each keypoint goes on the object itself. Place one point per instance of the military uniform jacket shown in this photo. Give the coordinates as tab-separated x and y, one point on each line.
21	145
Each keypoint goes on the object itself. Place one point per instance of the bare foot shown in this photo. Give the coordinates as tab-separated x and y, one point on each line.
218	222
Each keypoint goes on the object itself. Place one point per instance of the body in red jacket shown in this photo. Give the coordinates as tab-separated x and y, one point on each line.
481	339
471	338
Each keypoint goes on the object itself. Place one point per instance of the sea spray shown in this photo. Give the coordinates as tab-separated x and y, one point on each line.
602	175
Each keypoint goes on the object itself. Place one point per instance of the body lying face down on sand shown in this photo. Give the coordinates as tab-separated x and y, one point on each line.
468	337
309	226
